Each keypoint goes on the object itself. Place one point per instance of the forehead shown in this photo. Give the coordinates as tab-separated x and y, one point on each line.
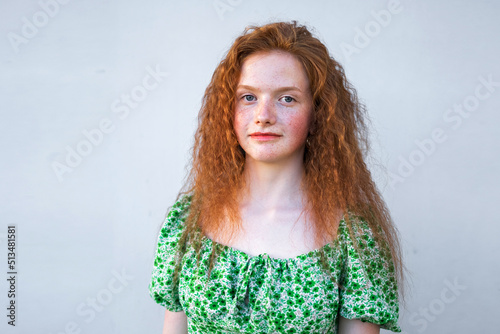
274	68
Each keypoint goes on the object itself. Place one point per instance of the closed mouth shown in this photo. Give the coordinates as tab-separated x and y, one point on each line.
264	134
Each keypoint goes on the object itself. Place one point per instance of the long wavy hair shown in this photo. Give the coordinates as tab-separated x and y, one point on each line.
336	175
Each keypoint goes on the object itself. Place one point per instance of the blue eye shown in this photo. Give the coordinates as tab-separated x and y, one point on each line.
288	99
249	98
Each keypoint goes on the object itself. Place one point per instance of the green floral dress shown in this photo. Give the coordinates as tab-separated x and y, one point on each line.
260	294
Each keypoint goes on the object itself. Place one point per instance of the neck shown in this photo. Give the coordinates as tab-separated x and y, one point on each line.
273	185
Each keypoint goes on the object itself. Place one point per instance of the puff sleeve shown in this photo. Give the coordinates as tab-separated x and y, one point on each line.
370	291
161	287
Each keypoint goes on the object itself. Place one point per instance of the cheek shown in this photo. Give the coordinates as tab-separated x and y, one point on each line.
238	126
300	127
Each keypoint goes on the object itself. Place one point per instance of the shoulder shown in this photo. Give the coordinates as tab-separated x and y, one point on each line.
180	208
174	222
366	248
356	230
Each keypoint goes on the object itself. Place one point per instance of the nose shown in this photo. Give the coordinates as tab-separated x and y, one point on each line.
265	112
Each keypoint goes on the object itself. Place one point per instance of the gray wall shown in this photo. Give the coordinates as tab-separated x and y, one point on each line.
87	221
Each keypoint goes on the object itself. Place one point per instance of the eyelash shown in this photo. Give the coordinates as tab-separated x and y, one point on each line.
286	96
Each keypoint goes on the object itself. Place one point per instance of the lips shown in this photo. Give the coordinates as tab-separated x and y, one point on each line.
264	135
271	134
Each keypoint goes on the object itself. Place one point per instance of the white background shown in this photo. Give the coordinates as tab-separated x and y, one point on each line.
80	228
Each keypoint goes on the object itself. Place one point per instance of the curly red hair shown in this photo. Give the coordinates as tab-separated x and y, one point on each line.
336	176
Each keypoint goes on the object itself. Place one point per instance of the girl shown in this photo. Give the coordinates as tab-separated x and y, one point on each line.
280	228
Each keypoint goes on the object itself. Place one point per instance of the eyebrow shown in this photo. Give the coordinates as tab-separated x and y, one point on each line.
279	90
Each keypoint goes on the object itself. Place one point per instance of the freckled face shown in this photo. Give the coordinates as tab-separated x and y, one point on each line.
273	107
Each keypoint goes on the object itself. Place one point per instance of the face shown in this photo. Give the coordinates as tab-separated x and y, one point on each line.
273	108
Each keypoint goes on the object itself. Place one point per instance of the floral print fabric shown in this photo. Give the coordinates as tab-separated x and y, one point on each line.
260	294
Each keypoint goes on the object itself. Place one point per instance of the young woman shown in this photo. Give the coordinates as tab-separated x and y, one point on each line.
280	228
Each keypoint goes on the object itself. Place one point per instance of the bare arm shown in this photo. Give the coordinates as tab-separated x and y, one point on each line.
347	326
175	323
